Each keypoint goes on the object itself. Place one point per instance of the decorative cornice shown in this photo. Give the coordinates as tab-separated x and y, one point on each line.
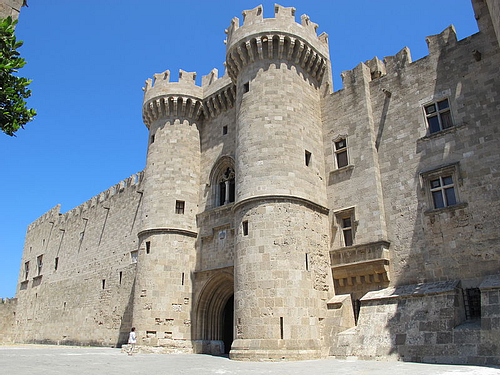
307	202
219	101
183	232
275	45
171	105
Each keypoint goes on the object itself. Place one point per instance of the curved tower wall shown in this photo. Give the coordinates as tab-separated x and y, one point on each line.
167	237
281	264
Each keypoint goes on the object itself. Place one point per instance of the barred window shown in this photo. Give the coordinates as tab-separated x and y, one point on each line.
179	207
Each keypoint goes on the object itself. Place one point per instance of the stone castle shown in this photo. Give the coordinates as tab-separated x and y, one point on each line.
278	220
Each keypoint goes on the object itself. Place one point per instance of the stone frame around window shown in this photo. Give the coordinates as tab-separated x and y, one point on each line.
433	100
222	182
439	184
341	152
347	231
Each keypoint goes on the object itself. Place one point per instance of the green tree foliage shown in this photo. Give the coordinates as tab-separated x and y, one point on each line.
13	90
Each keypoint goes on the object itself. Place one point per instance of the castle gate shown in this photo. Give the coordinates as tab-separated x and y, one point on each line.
214	315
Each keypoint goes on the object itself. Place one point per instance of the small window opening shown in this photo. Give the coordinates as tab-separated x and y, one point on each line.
103	283
148	247
356	304
307	262
39	264
56	263
179	207
182	279
133	256
224	130
341	153
281	327
246	87
121	277
152	139
347	231
26	270
308	158
245	227
472	303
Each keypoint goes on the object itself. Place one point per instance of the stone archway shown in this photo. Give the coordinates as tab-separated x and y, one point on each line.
214	315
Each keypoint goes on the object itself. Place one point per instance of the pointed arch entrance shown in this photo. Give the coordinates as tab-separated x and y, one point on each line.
215	314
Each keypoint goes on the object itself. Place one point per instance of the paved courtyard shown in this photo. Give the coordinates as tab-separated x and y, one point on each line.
52	360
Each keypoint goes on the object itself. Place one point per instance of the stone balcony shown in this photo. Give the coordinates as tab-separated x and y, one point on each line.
364	263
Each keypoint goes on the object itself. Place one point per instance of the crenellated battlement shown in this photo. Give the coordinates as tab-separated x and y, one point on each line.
395	64
276	38
185	98
54	213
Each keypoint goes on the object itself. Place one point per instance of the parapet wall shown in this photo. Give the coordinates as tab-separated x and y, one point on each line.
7	319
54	213
10	8
78	271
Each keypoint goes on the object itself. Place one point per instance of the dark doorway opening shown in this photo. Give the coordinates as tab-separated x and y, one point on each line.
227	324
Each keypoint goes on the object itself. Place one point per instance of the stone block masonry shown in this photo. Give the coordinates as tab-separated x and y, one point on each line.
276	220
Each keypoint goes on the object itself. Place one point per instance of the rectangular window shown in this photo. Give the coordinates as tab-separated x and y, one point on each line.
347	231
103	283
441	186
148	247
152	139
224	130
179	207
56	263
133	256
245	227
472	303
308	156
39	264
341	153
438	116
346	224
26	270
443	191
246	87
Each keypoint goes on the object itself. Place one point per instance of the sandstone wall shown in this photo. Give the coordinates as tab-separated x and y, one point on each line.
458	242
83	293
8	320
10	8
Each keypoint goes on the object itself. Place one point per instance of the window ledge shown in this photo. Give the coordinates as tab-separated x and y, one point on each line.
37	277
440	133
446	209
343	169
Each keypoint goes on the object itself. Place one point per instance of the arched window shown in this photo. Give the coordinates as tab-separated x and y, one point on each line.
226	186
222	180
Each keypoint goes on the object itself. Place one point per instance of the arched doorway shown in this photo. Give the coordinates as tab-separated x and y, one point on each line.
215	315
228	324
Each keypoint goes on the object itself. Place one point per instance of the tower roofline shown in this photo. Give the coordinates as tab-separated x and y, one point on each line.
283	21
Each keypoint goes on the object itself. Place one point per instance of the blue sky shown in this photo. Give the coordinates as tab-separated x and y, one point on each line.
89	60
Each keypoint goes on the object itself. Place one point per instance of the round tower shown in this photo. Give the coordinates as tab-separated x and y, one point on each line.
166	256
280	69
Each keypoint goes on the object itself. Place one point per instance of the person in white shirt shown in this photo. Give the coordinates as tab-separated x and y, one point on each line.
132	339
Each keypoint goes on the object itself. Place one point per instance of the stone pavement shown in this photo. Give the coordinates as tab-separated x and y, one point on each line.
55	360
